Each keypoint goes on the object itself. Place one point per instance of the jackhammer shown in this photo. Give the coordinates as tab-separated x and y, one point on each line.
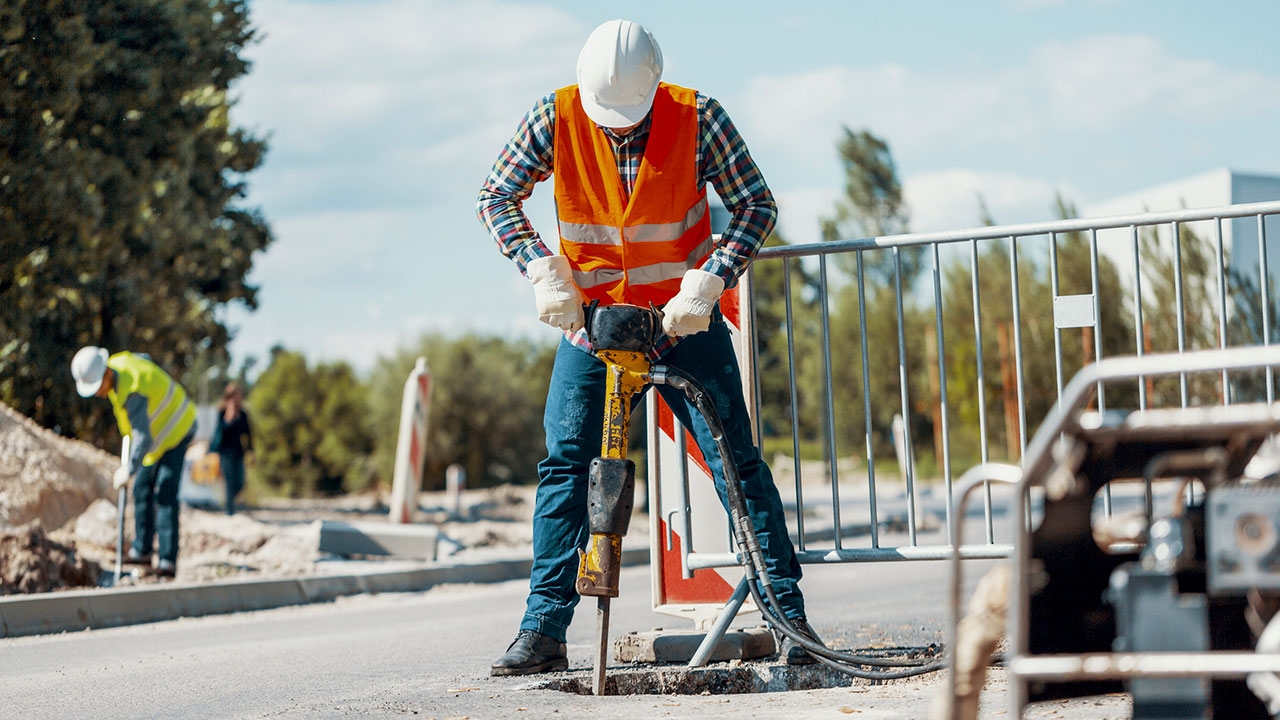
622	336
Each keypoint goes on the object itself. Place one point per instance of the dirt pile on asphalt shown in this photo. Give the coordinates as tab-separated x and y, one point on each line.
32	562
211	545
59	523
45	477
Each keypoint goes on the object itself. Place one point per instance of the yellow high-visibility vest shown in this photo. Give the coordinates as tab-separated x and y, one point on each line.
169	412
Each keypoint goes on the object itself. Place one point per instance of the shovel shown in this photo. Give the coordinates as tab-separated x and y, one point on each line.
124	459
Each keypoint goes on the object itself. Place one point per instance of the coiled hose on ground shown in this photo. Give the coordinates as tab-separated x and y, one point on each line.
753	560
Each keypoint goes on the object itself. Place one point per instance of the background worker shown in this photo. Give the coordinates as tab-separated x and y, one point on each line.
153	410
233	441
632	158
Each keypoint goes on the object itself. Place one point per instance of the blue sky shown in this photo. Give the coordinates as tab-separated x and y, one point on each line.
384	116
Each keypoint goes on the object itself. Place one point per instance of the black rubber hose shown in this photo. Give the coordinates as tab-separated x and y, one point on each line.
752	557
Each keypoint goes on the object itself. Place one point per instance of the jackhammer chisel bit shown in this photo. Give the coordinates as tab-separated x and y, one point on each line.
621	336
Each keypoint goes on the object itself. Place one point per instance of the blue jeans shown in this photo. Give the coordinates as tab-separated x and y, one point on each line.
232	465
155	503
574	421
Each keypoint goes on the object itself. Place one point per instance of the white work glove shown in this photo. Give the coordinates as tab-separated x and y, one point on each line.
120	478
689	311
559	300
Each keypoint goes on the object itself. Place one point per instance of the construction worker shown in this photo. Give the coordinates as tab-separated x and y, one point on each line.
632	157
153	410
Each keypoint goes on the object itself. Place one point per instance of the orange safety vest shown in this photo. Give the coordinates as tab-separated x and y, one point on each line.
631	250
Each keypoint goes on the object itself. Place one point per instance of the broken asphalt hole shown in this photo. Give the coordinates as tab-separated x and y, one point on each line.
731	678
705	681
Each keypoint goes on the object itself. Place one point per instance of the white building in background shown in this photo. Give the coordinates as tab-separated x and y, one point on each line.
1215	188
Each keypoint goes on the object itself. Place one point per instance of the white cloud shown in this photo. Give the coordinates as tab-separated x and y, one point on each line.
949	199
937	200
379	93
1101	83
1100	88
800	211
384	116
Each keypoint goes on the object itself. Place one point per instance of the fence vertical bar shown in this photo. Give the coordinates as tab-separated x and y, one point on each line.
754	335
942	384
1179	307
795	417
686	509
908	472
831	412
1266	301
1222	306
1100	389
1138	325
1017	346
982	383
866	402
1054	291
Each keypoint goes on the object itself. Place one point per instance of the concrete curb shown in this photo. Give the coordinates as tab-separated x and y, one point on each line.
48	613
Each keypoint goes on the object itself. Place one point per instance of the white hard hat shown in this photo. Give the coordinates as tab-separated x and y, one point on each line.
618	73
88	367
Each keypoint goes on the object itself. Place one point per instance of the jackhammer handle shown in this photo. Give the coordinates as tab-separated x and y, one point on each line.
622	326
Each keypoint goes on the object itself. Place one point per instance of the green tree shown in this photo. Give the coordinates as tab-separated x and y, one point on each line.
488	394
1160	308
1036	329
872	205
121	189
1245	327
311	428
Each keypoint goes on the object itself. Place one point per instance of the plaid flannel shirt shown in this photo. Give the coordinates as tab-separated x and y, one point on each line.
722	159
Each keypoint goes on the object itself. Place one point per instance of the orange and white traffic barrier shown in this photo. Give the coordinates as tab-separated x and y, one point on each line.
411	447
683	505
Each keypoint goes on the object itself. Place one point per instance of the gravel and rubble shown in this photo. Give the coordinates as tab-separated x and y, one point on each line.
59	520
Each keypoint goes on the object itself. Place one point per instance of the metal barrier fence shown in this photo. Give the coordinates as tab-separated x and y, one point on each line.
925	327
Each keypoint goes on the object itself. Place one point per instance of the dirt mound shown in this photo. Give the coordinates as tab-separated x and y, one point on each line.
45	477
31	562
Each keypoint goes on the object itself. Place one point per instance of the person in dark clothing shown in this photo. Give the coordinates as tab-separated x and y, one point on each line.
233	441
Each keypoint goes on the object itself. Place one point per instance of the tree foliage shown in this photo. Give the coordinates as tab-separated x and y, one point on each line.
872	204
121	189
488	395
882	328
311	428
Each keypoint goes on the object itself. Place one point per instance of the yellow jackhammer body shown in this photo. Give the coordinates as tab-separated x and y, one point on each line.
621	336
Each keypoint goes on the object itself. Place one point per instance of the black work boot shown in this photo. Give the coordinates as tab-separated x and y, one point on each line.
531	652
792	652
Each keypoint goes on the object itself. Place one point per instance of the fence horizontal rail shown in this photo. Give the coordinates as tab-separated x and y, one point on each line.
995	232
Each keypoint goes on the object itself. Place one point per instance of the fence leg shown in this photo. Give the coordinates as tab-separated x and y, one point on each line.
717	631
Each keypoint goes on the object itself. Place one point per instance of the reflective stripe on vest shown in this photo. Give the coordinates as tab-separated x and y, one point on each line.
647	274
631	249
170	414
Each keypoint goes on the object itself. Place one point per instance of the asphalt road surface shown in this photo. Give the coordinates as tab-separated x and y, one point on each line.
427	655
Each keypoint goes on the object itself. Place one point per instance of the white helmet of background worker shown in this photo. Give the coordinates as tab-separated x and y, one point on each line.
88	367
618	73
